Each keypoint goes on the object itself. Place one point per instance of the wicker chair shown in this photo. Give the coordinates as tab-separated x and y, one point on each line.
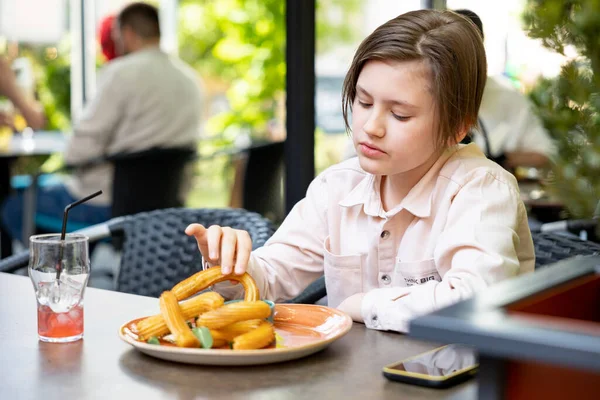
156	254
554	247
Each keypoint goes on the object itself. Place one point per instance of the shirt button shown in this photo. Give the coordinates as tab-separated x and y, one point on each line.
385	234
386	279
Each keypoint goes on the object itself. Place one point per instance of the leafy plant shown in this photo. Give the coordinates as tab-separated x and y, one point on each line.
242	43
569	104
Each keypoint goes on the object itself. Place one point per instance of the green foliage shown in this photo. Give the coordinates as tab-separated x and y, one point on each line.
569	104
242	42
53	82
337	22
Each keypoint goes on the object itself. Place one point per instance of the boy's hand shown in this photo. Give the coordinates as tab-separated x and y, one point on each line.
223	245
353	307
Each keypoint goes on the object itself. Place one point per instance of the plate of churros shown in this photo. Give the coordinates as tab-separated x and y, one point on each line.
196	326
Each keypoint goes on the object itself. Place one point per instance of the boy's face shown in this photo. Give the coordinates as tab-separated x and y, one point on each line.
393	118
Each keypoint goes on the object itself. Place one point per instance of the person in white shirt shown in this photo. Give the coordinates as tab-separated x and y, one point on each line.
510	132
145	99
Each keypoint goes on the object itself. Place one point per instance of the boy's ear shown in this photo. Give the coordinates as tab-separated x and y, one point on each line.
458	138
461	135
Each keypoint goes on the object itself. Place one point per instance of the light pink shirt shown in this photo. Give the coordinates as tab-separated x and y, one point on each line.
462	228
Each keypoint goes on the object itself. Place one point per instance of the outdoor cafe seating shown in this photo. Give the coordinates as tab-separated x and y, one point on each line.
129	309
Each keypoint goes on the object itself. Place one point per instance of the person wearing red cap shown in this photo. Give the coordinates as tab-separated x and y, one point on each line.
105	36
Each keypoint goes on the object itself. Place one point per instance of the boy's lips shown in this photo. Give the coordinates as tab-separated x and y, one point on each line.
370	149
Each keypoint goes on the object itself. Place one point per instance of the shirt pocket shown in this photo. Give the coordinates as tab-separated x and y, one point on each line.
416	272
343	275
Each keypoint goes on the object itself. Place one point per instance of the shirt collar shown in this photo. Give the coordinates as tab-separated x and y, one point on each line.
417	201
366	193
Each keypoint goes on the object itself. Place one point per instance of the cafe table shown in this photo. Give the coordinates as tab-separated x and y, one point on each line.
101	366
26	144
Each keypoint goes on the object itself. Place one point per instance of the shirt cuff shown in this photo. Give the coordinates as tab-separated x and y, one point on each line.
205	264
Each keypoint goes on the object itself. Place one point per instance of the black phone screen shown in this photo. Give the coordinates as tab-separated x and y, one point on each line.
443	361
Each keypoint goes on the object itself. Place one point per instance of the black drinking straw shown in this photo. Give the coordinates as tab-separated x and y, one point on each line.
63	232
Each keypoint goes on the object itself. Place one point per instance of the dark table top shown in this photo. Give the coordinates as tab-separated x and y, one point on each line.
103	367
38	143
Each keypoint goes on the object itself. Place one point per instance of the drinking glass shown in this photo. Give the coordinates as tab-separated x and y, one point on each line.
59	270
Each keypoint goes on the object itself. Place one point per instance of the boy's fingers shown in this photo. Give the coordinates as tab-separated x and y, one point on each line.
244	247
213	239
196	230
199	233
228	246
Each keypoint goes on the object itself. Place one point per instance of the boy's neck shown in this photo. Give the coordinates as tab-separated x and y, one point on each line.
394	188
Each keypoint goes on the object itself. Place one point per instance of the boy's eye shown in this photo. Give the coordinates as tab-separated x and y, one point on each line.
364	105
400	117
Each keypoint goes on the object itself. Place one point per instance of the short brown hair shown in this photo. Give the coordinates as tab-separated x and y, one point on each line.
451	48
142	18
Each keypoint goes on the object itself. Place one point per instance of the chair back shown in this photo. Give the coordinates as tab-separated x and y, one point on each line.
157	254
263	180
554	247
149	180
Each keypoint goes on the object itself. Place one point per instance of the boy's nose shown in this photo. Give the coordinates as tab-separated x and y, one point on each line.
374	125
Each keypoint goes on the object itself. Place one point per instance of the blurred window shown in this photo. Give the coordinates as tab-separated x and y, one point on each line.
336	45
509	50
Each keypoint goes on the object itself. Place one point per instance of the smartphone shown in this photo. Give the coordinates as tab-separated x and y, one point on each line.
439	368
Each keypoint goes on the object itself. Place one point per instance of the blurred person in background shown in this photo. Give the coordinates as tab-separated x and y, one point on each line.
510	132
145	99
106	33
31	110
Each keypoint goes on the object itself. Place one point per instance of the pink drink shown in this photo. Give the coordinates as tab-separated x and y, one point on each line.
59	269
60	327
